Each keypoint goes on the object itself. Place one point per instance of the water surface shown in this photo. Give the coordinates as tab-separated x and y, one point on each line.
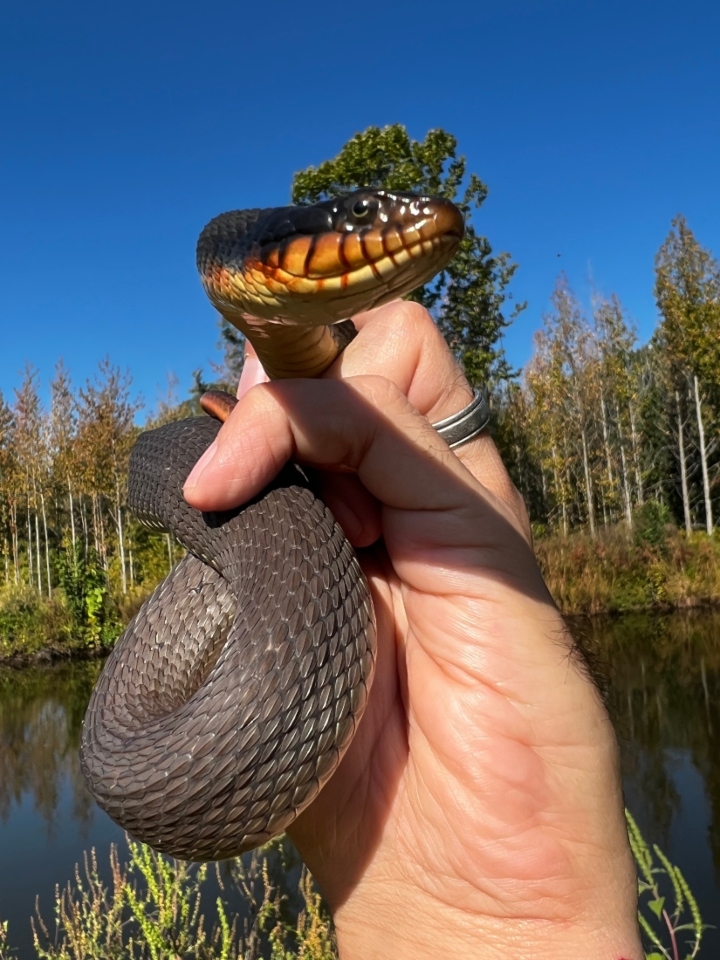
665	697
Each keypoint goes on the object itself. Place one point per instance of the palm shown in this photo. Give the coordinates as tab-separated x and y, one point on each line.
470	742
482	781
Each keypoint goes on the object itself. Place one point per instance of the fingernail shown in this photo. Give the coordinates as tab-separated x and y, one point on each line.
252	374
199	468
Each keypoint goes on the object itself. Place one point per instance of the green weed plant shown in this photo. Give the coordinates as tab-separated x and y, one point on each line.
152	910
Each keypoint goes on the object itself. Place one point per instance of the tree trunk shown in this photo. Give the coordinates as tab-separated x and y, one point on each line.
606	443
71	506
29	543
131	565
99	530
561	493
121	536
15	543
47	548
703	460
38	554
636	455
627	495
524	488
588	484
683	468
84	521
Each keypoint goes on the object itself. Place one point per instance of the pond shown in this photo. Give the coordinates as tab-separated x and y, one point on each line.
665	699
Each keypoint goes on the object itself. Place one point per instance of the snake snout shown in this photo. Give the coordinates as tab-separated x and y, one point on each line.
449	221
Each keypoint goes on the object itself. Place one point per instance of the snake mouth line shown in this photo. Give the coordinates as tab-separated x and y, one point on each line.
281	275
264	282
315	265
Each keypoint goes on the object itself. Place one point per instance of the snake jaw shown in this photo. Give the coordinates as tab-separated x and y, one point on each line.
339	266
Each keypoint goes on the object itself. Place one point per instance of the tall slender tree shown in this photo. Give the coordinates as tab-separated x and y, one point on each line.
63	440
687	290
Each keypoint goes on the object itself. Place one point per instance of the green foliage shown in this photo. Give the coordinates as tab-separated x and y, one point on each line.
673	926
650	523
152	911
84	584
29	621
309	937
6	952
687	290
468	298
388	158
614	573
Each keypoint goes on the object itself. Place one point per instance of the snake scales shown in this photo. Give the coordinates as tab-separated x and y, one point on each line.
233	694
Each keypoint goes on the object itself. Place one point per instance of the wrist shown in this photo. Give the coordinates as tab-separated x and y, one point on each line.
421	928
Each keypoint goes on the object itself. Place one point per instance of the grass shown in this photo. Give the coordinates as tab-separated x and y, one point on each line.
152	909
618	573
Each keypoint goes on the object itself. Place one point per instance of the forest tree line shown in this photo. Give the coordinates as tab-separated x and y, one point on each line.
597	425
594	428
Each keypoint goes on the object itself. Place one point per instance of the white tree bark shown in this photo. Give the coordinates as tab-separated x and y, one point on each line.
121	535
703	460
625	478
47	547
38	561
606	443
588	484
683	467
636	455
71	505
171	552
561	493
31	579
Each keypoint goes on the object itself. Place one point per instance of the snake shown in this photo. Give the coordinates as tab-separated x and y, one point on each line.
236	689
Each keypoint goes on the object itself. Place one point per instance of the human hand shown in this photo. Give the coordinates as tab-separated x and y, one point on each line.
478	810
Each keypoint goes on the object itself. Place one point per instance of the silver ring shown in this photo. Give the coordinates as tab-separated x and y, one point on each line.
466	423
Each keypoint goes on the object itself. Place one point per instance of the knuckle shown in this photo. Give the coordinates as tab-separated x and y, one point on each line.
379	390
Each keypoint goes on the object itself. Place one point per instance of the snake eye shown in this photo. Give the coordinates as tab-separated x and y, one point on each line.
362	209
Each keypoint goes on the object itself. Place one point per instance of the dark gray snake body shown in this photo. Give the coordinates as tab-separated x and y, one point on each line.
234	692
238	685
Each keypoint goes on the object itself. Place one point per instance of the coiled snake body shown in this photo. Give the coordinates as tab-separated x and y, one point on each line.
234	692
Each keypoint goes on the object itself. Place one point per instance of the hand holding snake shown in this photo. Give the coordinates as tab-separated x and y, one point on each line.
478	810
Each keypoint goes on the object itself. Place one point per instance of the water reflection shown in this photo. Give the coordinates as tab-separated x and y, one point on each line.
47	817
41	714
665	699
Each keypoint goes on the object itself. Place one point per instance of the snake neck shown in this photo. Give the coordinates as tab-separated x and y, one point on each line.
288	351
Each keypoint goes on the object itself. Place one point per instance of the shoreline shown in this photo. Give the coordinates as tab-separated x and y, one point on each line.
53	653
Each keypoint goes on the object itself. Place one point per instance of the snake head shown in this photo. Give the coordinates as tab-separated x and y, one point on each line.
324	262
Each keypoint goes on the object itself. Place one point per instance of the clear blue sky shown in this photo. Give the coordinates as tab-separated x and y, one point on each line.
125	126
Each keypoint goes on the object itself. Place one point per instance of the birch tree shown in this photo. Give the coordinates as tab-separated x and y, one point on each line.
687	291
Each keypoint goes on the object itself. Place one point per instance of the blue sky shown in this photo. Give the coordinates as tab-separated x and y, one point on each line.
125	126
